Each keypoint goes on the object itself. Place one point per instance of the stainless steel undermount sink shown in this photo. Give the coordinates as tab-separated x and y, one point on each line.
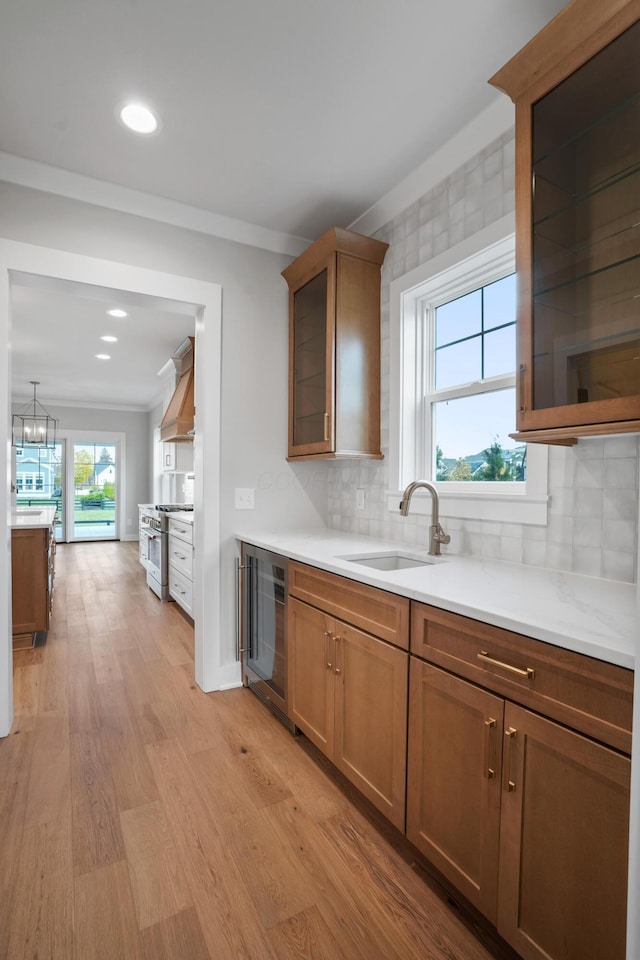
391	561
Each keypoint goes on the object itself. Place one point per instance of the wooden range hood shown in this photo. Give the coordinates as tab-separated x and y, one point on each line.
178	422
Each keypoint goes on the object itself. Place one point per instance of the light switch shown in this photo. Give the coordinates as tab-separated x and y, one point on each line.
245	498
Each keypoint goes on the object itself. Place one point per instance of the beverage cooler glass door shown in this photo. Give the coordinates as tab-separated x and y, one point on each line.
265	624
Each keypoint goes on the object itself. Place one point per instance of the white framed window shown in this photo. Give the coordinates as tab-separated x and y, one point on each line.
452	384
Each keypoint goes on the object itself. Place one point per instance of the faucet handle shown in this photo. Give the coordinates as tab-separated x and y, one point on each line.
441	536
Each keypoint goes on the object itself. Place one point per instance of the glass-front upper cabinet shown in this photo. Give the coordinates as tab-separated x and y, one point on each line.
578	223
334	347
311	401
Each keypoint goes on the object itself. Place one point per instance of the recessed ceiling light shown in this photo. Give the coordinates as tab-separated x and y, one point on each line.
108	339
102	356
138	118
117	313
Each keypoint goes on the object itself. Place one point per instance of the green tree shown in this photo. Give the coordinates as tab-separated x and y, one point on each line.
460	471
495	467
442	472
82	467
105	456
109	490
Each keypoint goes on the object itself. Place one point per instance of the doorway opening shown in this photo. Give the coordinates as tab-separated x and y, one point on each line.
21	263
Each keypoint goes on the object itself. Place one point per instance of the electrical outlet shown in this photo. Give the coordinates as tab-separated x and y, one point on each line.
245	498
128	521
361	499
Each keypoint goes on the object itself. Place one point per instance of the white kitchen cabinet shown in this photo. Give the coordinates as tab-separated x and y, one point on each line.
180	550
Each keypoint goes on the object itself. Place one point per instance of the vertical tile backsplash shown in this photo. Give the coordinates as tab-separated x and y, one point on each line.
593	509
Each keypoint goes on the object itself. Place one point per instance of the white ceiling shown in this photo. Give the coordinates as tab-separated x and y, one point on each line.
290	115
56	334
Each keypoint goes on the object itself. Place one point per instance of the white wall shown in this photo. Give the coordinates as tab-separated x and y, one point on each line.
254	354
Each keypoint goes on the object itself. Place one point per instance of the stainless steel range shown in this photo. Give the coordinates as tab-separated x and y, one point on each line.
153	554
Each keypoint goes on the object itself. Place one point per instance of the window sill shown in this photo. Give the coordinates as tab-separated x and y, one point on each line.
503	508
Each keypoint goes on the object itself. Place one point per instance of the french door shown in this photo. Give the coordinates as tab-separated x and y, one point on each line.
91	496
39	479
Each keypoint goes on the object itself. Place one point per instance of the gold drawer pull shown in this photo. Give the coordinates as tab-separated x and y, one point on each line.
528	673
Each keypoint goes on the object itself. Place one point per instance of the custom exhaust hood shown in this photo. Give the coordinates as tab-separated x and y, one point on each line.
178	422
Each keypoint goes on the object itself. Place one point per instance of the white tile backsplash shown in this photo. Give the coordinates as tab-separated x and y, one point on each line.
593	511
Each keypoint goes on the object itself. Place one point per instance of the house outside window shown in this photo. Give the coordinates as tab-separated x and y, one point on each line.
452	384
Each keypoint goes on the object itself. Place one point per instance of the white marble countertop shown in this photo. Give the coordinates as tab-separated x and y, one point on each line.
23	517
588	615
185	515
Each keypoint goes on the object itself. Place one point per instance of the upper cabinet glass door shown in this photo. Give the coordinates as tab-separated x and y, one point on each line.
586	231
309	401
576	87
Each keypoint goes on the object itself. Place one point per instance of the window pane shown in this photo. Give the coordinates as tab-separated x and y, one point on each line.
500	351
459	318
500	302
471	438
459	363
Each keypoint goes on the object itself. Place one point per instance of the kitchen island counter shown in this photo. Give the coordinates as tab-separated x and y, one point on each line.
32	517
588	615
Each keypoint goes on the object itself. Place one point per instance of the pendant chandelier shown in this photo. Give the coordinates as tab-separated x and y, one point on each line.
32	425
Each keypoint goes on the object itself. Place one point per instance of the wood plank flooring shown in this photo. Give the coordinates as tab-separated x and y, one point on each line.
141	819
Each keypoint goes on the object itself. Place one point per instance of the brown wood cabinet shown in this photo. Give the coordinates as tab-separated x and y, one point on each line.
453	783
348	694
527	817
576	87
32	573
564	835
334	347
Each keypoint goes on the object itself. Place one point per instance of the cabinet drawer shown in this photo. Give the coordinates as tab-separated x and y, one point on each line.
590	695
383	614
181	556
177	528
181	589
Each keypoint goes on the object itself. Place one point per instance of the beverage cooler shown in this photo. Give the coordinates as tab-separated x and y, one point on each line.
262	627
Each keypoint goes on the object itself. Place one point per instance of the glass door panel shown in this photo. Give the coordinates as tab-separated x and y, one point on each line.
266	648
39	473
94	494
586	231
310	361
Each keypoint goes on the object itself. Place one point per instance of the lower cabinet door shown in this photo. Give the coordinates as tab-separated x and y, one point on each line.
311	684
563	843
371	680
454	776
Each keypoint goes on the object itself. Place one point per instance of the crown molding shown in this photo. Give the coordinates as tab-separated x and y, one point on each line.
75	186
489	124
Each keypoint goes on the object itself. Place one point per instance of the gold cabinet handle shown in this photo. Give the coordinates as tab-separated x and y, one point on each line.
326	427
489	725
338	669
508	784
527	673
328	636
522	372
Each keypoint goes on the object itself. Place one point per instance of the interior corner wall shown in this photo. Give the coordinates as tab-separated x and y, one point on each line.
254	353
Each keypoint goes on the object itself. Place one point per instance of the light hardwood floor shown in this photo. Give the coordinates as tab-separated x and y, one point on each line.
142	818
